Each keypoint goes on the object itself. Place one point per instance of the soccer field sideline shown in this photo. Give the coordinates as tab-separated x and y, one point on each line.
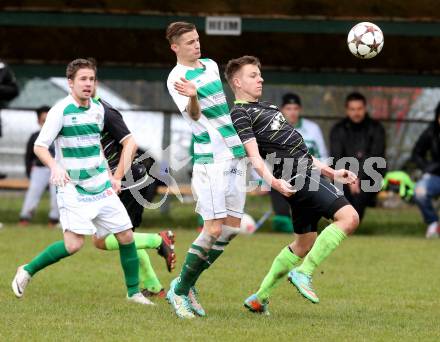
372	288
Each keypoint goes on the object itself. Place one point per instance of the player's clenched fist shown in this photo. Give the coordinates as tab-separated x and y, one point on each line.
345	176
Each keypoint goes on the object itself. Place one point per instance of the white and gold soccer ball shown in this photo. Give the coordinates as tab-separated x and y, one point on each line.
365	40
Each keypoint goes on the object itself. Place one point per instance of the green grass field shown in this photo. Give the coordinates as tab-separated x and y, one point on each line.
372	288
380	285
406	221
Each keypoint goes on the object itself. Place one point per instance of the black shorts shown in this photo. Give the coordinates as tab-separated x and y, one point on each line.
279	204
134	208
317	198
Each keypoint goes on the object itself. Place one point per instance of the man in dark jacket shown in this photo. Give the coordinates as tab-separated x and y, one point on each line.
8	85
38	175
361	137
8	90
426	154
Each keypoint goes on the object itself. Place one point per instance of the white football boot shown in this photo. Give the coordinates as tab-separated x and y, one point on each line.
21	280
432	231
139	298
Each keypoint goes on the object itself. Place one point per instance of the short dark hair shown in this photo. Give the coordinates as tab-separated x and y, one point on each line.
234	65
41	110
79	63
355	96
290	98
176	29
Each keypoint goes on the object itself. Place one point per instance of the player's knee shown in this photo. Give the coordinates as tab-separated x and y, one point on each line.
98	243
228	233
420	193
125	237
351	221
74	246
215	230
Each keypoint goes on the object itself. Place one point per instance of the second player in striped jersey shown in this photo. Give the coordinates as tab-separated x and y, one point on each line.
219	172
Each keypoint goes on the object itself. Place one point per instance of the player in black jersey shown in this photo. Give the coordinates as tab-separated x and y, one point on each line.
298	176
119	149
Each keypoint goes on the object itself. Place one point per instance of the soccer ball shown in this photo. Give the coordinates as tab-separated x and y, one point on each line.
365	40
247	225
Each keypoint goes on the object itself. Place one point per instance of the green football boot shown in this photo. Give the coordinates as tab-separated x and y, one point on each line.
303	284
253	304
180	304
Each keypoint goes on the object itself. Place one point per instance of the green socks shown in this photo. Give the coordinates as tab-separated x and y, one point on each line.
142	241
191	270
130	265
282	264
282	223
147	277
213	254
325	244
49	256
195	262
57	251
228	234
200	221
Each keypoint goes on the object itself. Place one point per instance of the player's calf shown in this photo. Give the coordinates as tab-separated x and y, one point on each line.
303	243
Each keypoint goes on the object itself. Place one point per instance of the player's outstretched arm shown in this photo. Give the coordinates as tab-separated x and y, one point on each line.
341	176
253	154
58	176
187	88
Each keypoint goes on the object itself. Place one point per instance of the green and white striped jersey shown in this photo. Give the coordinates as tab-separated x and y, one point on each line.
76	131
215	138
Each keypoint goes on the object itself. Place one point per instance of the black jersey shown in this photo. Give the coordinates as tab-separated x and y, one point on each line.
114	131
264	122
30	158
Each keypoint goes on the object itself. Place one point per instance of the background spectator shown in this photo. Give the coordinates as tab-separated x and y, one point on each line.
8	90
361	137
291	108
39	178
426	154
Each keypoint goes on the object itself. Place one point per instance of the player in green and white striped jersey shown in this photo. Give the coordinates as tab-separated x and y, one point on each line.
87	203
219	174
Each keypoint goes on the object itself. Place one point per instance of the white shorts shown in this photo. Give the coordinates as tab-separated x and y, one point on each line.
220	188
100	214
